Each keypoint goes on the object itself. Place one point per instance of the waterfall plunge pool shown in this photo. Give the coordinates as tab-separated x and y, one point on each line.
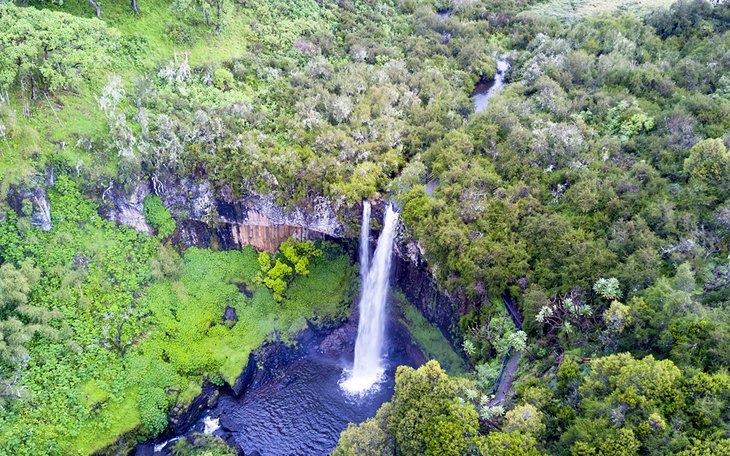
301	409
306	401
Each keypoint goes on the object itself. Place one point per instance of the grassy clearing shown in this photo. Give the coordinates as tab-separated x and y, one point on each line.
429	339
572	10
157	17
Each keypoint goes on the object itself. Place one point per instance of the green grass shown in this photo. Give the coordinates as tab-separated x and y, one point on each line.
153	20
572	10
118	418
429	339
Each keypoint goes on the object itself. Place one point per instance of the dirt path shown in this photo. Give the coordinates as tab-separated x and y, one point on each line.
508	375
506	383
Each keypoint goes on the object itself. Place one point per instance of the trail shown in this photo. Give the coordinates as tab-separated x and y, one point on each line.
507	373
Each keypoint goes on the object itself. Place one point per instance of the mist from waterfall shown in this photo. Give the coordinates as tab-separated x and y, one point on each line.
368	368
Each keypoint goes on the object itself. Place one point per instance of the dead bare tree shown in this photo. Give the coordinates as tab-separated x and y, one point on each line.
12	388
114	337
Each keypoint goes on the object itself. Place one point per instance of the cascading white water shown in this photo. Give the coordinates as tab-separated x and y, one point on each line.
367	368
365	239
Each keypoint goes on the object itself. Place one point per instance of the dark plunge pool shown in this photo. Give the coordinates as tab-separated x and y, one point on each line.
302	414
300	409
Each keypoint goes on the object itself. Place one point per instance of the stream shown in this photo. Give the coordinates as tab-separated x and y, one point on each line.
487	89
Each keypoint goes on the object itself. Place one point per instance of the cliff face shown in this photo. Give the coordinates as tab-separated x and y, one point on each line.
217	219
31	200
417	283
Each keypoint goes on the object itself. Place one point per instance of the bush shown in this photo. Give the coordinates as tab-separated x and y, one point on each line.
223	79
153	410
180	34
157	215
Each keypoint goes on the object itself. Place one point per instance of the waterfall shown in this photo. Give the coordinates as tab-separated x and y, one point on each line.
367	368
365	239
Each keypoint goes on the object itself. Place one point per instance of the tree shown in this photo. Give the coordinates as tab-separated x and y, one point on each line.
608	288
11	387
708	165
524	419
507	444
121	330
617	317
293	260
22	321
369	438
428	418
50	50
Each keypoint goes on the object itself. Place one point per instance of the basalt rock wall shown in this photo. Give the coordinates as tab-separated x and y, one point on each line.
215	218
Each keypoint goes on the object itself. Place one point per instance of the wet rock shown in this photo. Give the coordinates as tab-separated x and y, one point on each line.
420	288
230	316
244	289
128	209
182	417
33	202
228	423
340	340
41	209
252	220
145	449
244	380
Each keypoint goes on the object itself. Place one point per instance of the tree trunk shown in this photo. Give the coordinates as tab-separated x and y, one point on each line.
96	6
134	6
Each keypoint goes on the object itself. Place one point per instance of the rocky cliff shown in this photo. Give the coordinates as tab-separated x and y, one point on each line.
216	218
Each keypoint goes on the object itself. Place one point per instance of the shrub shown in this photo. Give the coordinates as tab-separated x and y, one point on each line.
223	79
157	215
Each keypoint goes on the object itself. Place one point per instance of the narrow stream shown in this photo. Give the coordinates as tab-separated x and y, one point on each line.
487	89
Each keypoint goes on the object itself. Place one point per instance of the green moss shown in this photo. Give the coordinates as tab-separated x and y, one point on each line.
429	338
111	422
94	393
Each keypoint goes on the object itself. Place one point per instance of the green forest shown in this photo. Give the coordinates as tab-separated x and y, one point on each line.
592	194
